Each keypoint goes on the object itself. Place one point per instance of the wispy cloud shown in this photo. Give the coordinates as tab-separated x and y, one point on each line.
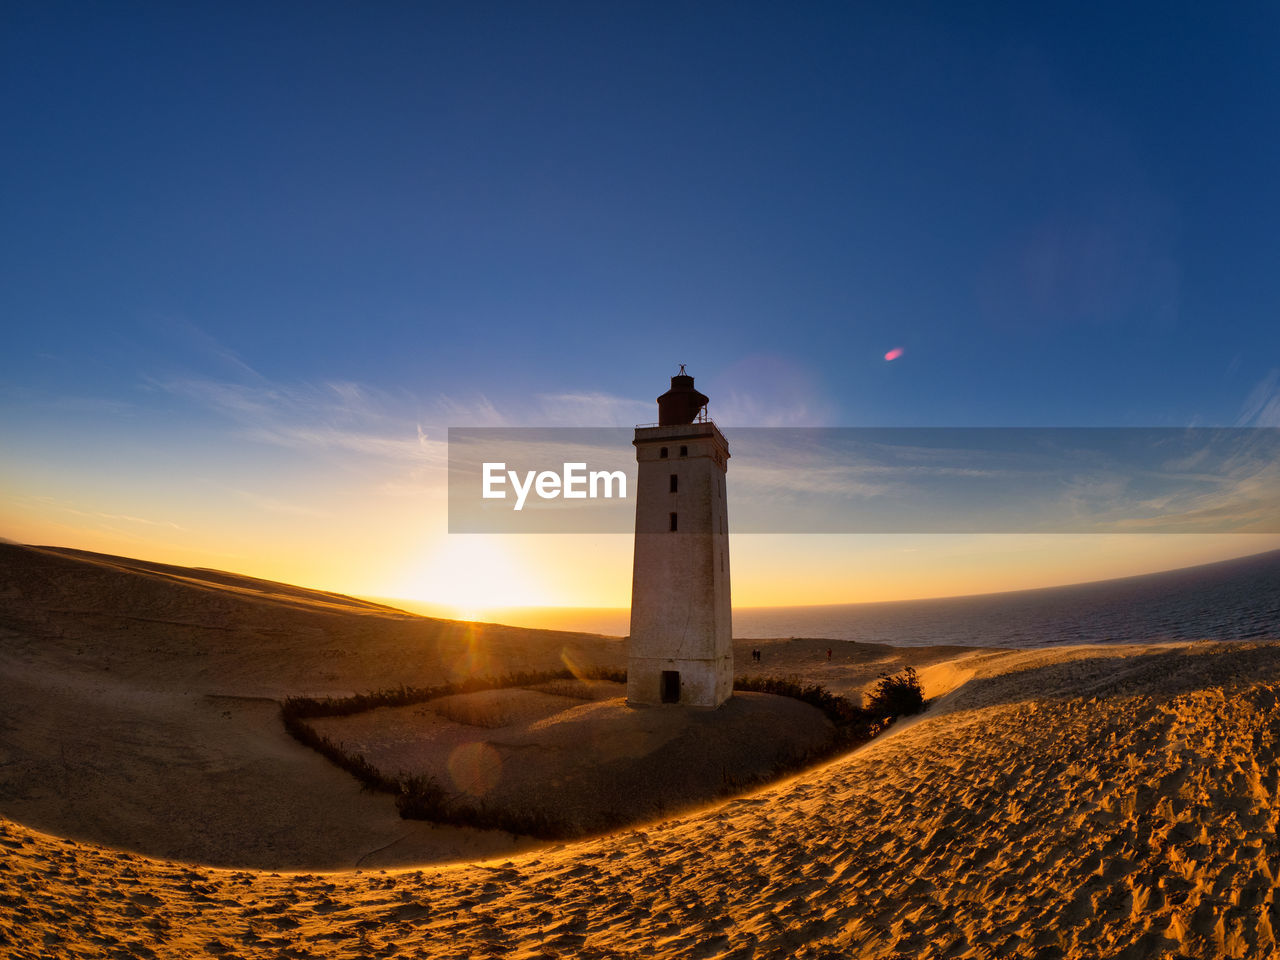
96	516
342	416
1211	480
276	505
742	409
766	390
211	349
478	411
842	482
1262	406
591	410
357	418
64	403
1235	488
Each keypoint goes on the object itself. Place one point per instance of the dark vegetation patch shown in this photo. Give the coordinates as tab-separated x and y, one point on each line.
303	708
897	695
421	796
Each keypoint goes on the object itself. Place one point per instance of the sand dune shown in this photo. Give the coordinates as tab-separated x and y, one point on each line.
1072	802
141	708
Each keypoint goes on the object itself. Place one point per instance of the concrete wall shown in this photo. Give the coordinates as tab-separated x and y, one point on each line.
703	683
681	615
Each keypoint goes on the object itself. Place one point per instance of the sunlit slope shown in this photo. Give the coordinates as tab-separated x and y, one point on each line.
177	624
1080	803
141	707
219	579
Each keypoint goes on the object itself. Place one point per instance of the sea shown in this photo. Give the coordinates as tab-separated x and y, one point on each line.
1230	600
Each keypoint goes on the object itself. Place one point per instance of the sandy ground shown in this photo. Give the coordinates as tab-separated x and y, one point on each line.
1072	802
140	708
577	757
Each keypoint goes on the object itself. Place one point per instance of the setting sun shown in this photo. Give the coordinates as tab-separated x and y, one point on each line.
472	573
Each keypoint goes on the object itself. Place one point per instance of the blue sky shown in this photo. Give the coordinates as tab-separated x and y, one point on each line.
244	247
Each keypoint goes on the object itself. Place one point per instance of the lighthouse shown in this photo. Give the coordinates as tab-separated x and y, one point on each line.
681	646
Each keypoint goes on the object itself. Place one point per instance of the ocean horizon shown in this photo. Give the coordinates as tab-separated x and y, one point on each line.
1236	599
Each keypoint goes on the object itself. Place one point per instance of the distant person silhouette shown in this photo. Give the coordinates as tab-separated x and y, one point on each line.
828	654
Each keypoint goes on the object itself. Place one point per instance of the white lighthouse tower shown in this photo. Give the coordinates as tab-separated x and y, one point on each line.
681	648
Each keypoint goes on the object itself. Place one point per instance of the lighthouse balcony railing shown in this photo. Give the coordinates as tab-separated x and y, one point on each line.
702	417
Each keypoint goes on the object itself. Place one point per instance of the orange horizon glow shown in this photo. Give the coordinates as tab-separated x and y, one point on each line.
390	553
977	584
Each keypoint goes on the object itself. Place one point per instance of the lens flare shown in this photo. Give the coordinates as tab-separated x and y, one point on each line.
465	652
894	354
475	768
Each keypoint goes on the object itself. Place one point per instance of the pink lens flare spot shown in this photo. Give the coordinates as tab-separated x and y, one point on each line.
894	354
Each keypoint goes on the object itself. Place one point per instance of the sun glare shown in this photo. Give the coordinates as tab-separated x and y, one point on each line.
472	573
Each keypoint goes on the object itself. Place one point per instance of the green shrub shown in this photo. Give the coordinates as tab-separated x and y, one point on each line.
898	695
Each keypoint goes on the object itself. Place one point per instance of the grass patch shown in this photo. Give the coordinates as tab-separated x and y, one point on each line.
422	797
303	708
850	720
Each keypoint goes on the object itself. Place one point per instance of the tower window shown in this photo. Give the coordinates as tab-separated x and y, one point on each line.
673	523
663	453
675	483
684	451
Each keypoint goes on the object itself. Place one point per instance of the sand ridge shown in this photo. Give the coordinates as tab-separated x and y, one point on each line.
142	708
1069	802
1130	810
